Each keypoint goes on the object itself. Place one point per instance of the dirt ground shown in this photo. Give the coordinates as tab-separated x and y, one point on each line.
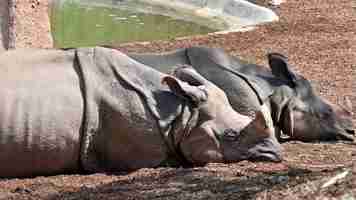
32	26
319	38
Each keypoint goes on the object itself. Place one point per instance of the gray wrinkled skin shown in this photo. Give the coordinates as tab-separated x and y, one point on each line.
296	110
99	110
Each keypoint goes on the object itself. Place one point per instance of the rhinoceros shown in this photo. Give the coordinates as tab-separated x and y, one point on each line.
297	111
98	110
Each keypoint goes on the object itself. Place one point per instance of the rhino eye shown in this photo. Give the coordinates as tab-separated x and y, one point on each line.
230	135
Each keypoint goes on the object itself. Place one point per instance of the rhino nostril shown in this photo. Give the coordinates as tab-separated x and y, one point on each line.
266	155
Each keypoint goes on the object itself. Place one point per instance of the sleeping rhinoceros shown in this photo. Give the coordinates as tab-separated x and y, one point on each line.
296	109
97	109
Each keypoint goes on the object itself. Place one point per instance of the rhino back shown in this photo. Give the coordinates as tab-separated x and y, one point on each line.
262	76
208	62
133	110
163	62
41	111
224	71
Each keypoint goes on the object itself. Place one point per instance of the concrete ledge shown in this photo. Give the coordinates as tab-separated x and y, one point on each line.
237	14
24	24
31	25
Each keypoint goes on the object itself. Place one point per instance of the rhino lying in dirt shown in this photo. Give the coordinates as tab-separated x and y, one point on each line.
99	110
296	110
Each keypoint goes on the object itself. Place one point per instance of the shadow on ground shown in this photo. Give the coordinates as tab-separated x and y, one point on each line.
198	183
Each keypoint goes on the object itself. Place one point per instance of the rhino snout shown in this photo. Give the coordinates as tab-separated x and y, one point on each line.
267	151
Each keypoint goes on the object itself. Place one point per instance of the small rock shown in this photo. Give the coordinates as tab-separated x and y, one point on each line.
335	179
348	197
276	2
22	190
279	179
35	3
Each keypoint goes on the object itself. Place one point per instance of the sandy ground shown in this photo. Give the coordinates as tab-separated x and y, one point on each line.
32	26
319	38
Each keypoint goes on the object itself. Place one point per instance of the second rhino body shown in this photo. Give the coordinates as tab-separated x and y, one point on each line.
296	109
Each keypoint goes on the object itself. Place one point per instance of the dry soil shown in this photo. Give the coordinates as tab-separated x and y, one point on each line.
319	37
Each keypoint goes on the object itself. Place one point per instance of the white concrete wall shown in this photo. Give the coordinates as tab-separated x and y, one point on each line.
250	12
236	13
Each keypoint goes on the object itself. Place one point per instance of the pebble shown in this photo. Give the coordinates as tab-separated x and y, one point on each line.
276	2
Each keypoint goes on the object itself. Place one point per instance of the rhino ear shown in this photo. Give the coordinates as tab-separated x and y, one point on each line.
188	74
288	121
261	122
282	109
197	94
281	69
286	118
264	118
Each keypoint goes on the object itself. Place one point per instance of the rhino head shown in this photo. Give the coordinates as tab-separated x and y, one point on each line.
300	113
220	133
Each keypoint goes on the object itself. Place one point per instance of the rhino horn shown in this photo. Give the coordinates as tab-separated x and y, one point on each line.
289	118
345	104
265	114
348	104
263	121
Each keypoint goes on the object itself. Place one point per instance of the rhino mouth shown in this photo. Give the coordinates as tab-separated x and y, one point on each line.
350	132
264	155
348	135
